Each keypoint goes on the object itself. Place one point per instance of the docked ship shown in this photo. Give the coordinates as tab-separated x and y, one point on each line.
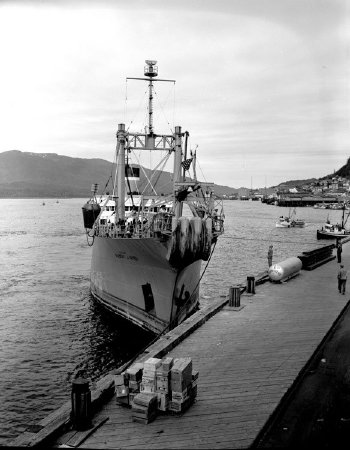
148	248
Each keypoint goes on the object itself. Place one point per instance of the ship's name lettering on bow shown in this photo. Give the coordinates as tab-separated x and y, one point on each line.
124	256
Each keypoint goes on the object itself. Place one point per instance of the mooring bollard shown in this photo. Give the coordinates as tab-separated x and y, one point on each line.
250	285
235	296
81	404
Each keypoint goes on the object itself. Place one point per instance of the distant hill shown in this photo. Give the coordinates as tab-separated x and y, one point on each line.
42	175
295	183
343	171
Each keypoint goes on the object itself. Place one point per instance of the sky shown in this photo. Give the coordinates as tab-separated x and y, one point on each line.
262	86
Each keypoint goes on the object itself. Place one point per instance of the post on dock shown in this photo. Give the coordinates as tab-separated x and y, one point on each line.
250	285
235	296
81	404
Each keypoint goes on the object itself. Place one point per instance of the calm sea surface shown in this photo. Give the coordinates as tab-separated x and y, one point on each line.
50	328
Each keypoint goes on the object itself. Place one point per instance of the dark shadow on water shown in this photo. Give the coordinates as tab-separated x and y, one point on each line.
111	341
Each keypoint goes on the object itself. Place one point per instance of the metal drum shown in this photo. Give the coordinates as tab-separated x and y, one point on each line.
285	269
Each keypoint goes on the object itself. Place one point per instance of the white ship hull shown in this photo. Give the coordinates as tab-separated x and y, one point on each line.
124	272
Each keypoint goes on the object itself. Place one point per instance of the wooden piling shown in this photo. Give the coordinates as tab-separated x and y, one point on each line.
235	296
250	285
81	404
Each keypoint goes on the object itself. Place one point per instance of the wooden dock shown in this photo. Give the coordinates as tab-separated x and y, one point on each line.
247	358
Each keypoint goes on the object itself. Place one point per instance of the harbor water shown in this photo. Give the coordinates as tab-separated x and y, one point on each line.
50	327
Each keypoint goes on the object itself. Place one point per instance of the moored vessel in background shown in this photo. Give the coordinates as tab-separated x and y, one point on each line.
148	247
296	222
334	231
283	222
290	221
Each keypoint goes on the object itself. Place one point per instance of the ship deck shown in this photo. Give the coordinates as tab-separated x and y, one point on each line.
247	358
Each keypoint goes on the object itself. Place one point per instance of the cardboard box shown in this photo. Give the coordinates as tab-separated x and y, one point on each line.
134	386
148	381
167	364
179	396
162	378
152	364
176	407
147	388
141	411
149	374
181	370
122	391
119	380
162	385
135	372
163	401
131	397
146	399
179	386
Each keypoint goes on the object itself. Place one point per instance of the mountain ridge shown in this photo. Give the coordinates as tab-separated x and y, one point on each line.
41	175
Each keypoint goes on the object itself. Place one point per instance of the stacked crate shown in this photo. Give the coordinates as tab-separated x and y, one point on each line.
134	377
121	390
144	407
168	385
183	385
148	383
163	383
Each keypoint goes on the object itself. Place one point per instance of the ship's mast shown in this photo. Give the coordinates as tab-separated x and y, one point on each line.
121	136
148	141
151	70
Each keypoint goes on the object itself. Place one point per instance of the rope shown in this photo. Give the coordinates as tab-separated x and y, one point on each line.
161	107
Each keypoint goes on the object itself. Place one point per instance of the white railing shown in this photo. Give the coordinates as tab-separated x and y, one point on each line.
160	224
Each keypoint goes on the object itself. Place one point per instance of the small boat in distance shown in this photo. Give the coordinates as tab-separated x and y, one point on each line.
290	221
295	222
283	222
334	231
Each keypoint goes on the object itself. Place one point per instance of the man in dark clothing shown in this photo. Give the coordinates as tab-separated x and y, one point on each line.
339	250
342	277
270	255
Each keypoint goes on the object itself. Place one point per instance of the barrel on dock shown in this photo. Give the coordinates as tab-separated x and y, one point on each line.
81	404
235	296
250	285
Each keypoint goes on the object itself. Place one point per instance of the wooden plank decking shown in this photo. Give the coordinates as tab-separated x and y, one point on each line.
247	360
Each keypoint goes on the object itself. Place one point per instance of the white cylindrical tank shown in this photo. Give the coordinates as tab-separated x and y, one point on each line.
285	269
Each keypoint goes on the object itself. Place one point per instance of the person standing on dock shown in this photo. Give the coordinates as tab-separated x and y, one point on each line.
339	251
270	255
342	277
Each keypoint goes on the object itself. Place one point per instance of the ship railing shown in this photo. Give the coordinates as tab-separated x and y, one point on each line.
160	224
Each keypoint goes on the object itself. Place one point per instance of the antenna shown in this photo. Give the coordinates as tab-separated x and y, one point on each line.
150	71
